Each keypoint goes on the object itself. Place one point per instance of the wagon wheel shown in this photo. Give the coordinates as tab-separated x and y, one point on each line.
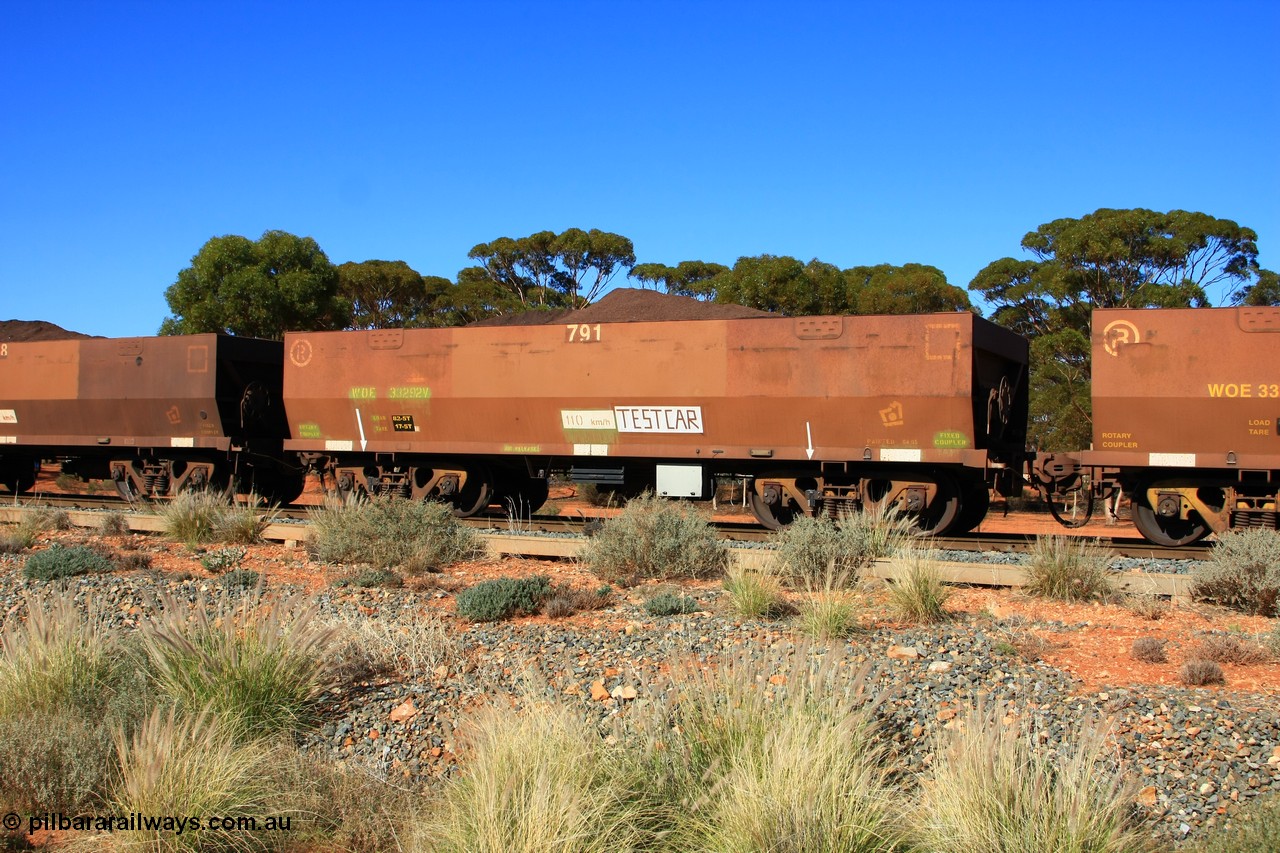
520	494
475	494
974	503
939	517
775	514
942	515
1162	530
18	475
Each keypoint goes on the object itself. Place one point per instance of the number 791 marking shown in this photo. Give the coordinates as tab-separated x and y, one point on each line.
583	333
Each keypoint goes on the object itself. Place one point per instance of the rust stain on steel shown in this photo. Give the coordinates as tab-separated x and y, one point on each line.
1187	385
135	392
693	389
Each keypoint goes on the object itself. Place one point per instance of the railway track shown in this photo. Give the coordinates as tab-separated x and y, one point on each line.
735	531
507	537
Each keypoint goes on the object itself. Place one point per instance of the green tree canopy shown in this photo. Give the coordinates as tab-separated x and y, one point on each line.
474	297
384	294
687	278
1107	259
256	288
546	269
787	286
1264	291
906	289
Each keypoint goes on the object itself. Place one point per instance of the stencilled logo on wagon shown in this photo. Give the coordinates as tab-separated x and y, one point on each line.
1118	333
300	353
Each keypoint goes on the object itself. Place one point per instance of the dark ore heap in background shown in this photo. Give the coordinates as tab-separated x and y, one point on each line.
22	331
630	305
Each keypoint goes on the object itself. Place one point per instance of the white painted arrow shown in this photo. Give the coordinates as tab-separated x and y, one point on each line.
360	424
808	434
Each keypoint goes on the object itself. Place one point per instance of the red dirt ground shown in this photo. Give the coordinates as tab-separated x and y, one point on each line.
1095	647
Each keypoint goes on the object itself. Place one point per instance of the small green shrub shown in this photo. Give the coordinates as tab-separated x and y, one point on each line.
811	549
669	603
134	561
655	538
503	598
66	681
370	578
58	561
412	537
754	595
241	579
59	759
1146	606
773	751
829	614
918	593
224	559
563	601
1242	572
1197	673
1148	650
114	524
1069	568
1227	648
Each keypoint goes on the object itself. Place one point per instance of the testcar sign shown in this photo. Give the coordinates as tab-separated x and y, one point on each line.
662	419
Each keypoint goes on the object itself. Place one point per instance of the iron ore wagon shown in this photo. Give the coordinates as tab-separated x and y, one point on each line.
815	414
156	415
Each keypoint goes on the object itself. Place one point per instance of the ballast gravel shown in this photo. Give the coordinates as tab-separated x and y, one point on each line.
1197	755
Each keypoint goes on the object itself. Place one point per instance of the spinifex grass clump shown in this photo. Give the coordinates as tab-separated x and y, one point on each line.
65	682
655	538
259	664
535	780
829	611
193	518
195	766
769	752
411	537
917	593
1242	572
754	594
1070	568
995	791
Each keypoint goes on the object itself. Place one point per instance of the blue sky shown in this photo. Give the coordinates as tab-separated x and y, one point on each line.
857	133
